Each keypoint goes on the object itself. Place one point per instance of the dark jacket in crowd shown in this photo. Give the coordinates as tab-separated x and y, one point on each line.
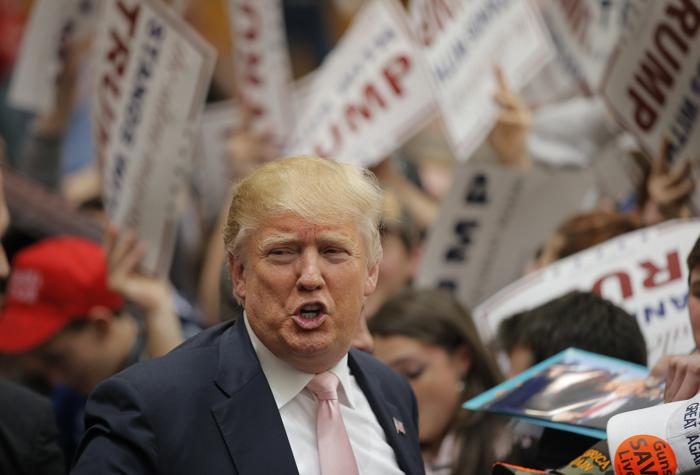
28	434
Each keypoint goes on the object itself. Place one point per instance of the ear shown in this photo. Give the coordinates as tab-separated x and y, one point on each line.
101	319
236	270
371	279
461	361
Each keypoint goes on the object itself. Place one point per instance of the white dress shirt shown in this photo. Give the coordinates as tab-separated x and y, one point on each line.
297	407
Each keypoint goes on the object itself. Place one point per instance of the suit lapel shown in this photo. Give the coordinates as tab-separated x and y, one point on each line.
249	420
386	412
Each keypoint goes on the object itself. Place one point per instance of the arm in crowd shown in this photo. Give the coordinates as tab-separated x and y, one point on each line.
508	137
42	151
151	294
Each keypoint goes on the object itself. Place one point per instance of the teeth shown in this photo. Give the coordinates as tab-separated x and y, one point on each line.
310	311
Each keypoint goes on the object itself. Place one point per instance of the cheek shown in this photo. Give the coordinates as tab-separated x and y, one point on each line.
438	398
694	311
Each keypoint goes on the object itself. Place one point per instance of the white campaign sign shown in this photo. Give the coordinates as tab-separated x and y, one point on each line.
652	83
262	63
152	71
642	271
212	172
462	41
370	94
486	232
585	34
52	23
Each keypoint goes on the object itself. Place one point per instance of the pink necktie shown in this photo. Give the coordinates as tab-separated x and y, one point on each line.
334	451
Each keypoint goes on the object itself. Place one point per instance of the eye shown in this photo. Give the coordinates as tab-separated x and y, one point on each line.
281	253
413	372
335	251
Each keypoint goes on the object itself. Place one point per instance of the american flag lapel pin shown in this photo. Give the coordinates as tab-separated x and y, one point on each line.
398	425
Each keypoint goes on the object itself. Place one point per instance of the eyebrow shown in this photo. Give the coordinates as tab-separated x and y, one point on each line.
325	237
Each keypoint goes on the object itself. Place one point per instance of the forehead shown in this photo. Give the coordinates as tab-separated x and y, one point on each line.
296	227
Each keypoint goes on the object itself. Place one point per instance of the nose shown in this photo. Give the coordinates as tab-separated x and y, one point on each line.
310	275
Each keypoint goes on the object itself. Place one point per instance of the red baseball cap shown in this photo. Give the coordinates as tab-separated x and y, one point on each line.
53	283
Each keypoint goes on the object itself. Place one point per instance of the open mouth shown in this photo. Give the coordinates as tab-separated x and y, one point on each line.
310	316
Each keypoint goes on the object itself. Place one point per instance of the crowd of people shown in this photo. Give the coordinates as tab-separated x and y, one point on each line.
289	335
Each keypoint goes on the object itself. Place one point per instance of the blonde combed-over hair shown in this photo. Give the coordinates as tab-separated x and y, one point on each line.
316	189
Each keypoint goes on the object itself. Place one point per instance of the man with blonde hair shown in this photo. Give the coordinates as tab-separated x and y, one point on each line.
280	391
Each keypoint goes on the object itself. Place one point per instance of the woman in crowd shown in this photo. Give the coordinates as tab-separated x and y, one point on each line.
429	338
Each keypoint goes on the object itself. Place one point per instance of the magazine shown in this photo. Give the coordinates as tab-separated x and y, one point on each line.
575	390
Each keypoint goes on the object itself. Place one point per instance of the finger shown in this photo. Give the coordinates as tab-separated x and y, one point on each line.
660	164
689	387
109	239
679	172
674	379
513	118
506	100
246	116
121	249
500	76
680	192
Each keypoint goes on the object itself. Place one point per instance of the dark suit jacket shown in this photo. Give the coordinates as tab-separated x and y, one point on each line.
28	434
206	408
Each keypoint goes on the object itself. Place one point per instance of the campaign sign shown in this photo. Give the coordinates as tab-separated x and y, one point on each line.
585	34
486	232
642	272
152	72
371	93
462	41
652	83
262	64
51	25
212	171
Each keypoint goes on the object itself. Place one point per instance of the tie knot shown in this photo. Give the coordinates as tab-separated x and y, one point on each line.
324	386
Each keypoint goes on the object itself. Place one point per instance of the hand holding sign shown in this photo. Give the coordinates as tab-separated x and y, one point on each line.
669	190
683	379
151	294
55	121
123	257
249	148
509	135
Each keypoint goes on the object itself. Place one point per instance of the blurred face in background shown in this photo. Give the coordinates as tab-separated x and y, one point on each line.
78	356
436	378
396	269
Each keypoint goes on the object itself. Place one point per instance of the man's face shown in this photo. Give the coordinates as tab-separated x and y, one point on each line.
77	358
694	303
303	286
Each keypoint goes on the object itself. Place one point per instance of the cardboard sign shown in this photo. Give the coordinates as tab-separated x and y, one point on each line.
643	272
370	94
212	172
652	83
487	232
52	23
462	41
262	64
152	71
585	34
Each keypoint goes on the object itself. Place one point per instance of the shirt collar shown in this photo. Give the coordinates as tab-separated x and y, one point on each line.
286	382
